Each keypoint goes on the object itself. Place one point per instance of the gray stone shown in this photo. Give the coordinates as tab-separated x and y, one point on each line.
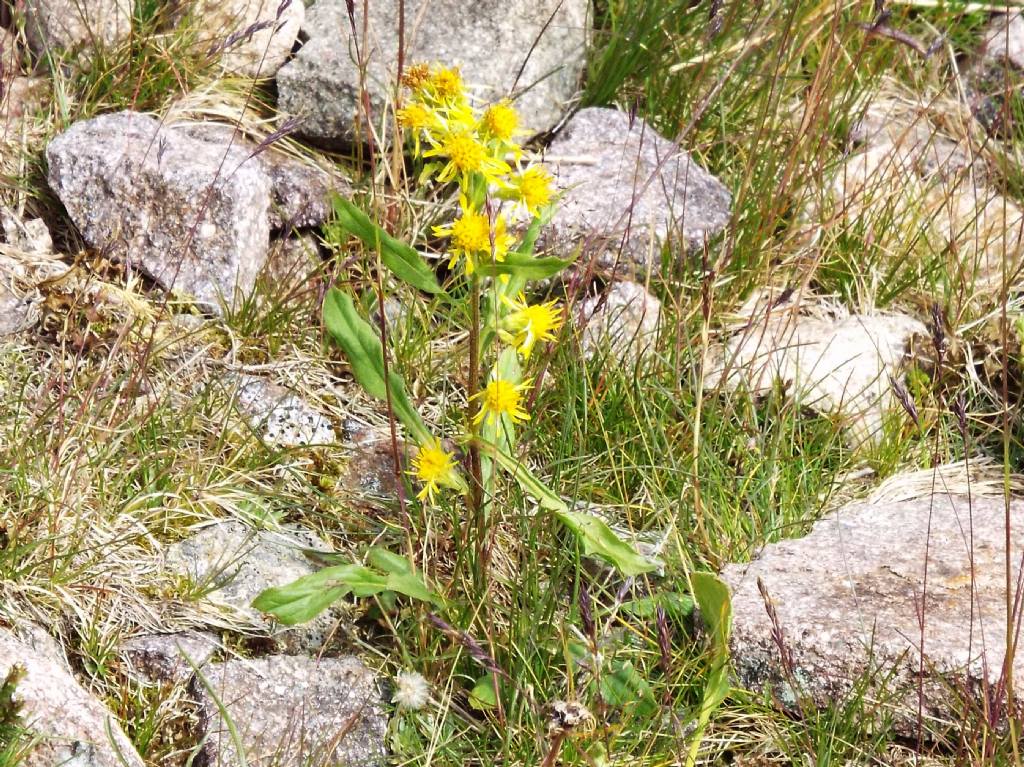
292	711
280	416
489	41
301	192
622	320
72	726
623	185
847	598
193	215
156	658
273	32
835	365
232	564
30	236
1003	39
52	26
16	312
21	99
290	263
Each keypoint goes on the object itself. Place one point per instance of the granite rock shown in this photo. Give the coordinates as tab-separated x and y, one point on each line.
192	215
72	726
232	564
291	711
168	658
280	416
834	365
622	320
320	85
847	598
625	188
274	27
52	26
300	191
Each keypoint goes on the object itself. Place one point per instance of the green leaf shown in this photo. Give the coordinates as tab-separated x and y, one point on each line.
524	266
411	585
599	540
675	605
364	582
526	479
712	596
365	355
304	599
625	685
402	259
483	696
388	561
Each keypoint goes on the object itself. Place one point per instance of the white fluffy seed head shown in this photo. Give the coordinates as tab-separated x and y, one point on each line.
413	691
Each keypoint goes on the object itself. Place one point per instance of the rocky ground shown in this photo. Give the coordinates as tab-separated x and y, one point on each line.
175	438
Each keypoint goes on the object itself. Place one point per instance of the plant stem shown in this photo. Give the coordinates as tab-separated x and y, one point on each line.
476	485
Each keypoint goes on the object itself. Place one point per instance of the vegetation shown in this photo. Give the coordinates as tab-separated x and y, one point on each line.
117	435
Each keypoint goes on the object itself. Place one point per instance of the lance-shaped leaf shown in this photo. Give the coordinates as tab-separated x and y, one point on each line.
524	267
305	598
365	355
402	259
600	540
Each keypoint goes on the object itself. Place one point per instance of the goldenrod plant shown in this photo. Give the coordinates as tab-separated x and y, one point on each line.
491	263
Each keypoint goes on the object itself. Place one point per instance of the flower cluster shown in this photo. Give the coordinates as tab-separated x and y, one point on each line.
477	149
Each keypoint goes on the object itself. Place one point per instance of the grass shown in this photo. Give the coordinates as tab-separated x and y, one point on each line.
112	447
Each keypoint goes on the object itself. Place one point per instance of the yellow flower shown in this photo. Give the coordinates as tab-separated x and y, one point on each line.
446	84
416	77
501	397
434	466
528	324
466	155
501	121
415	116
471	236
532	188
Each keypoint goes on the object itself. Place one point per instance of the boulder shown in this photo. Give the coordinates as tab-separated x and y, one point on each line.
622	320
52	26
254	37
625	191
168	658
231	564
280	416
489	41
836	365
300	191
290	711
192	214
846	599
1003	39
70	726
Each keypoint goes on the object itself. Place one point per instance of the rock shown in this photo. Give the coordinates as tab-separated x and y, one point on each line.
292	711
21	99
910	183
836	366
291	261
320	86
193	215
10	57
164	658
847	599
1003	39
262	53
369	475
31	236
280	416
52	26
601	164
15	312
234	564
623	320
301	192
71	726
